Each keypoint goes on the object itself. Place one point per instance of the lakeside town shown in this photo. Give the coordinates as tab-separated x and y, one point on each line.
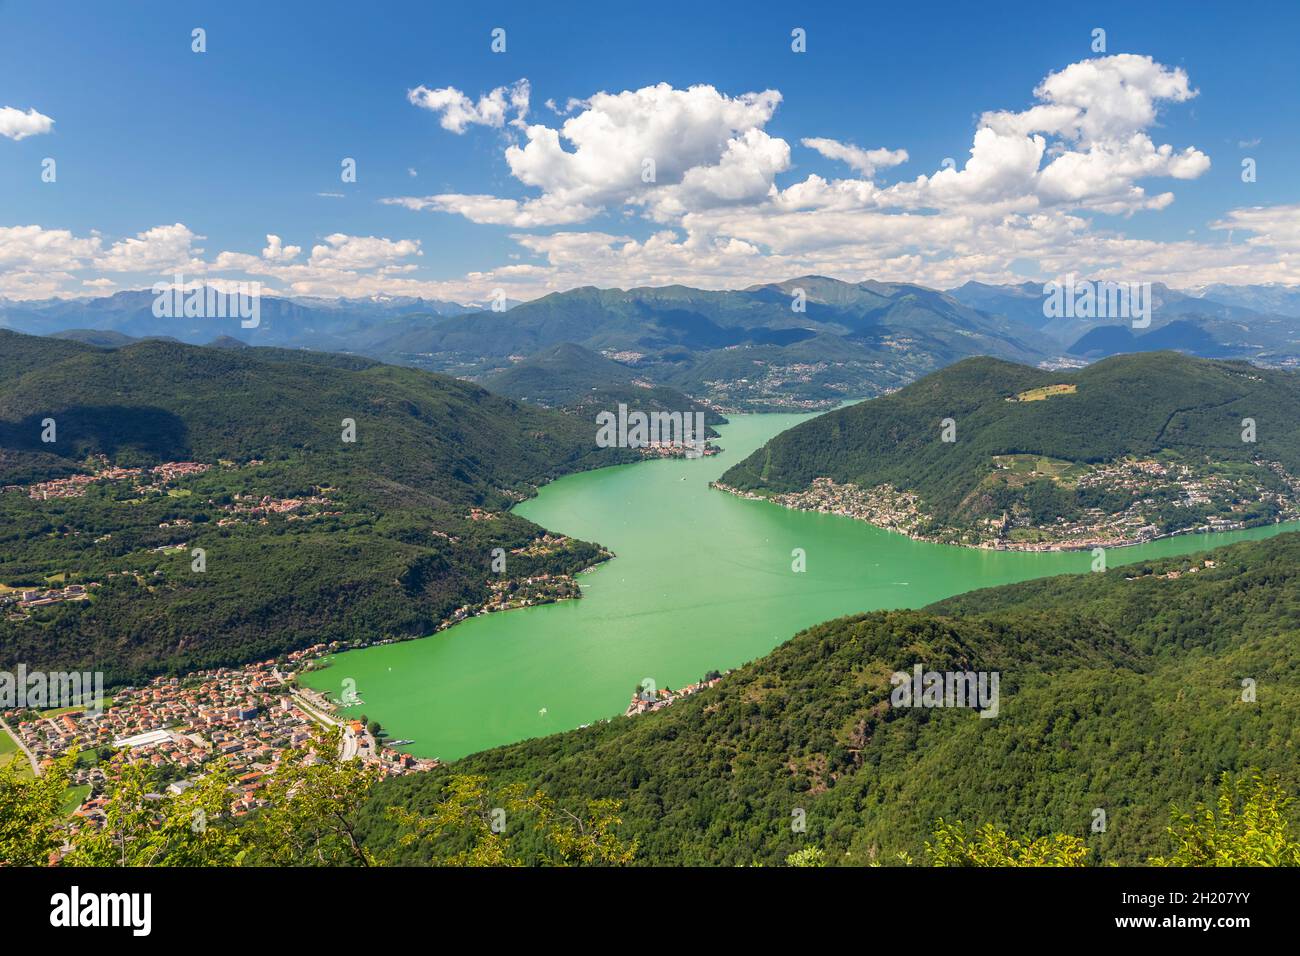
1199	499
244	719
247	717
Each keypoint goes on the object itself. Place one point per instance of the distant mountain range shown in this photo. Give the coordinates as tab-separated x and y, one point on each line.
809	342
339	325
1271	299
1257	322
806	341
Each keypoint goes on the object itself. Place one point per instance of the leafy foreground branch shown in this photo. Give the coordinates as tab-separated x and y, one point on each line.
314	799
315	802
1248	825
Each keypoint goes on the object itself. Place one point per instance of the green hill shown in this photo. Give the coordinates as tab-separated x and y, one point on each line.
381	543
584	382
1119	691
1129	448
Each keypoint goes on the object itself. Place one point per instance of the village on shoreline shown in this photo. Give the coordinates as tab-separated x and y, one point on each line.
247	717
900	511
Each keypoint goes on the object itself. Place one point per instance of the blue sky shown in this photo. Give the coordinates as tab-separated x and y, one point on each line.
245	141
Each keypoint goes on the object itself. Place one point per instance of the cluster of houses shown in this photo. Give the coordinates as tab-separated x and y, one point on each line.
527	592
171	470
1148	482
74	486
71	487
883	505
645	701
254	505
26	599
246	715
539	547
262	507
770	385
1175	574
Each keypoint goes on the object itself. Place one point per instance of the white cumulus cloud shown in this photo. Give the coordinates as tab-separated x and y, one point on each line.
457	112
16	124
864	161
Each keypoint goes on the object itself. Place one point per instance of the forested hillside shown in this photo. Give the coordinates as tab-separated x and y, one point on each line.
307	536
1120	692
584	382
1133	446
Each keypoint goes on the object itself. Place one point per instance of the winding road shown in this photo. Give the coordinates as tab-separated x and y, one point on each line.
36	770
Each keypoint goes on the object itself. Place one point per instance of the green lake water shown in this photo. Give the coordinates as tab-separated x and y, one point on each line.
702	581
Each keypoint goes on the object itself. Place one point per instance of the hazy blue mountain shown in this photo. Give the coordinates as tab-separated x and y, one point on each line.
1023	302
1254	321
1182	335
325	324
1274	299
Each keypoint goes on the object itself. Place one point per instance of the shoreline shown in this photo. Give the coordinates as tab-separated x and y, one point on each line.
1028	547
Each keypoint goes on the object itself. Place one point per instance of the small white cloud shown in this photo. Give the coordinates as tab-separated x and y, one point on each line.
456	111
161	248
276	251
497	211
15	124
864	161
341	251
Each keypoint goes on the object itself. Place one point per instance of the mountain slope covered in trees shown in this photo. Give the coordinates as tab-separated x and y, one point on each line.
1122	692
584	382
986	451
306	536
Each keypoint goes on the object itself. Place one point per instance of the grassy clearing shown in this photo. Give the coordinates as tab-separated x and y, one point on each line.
74	796
75	709
1044	392
9	750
